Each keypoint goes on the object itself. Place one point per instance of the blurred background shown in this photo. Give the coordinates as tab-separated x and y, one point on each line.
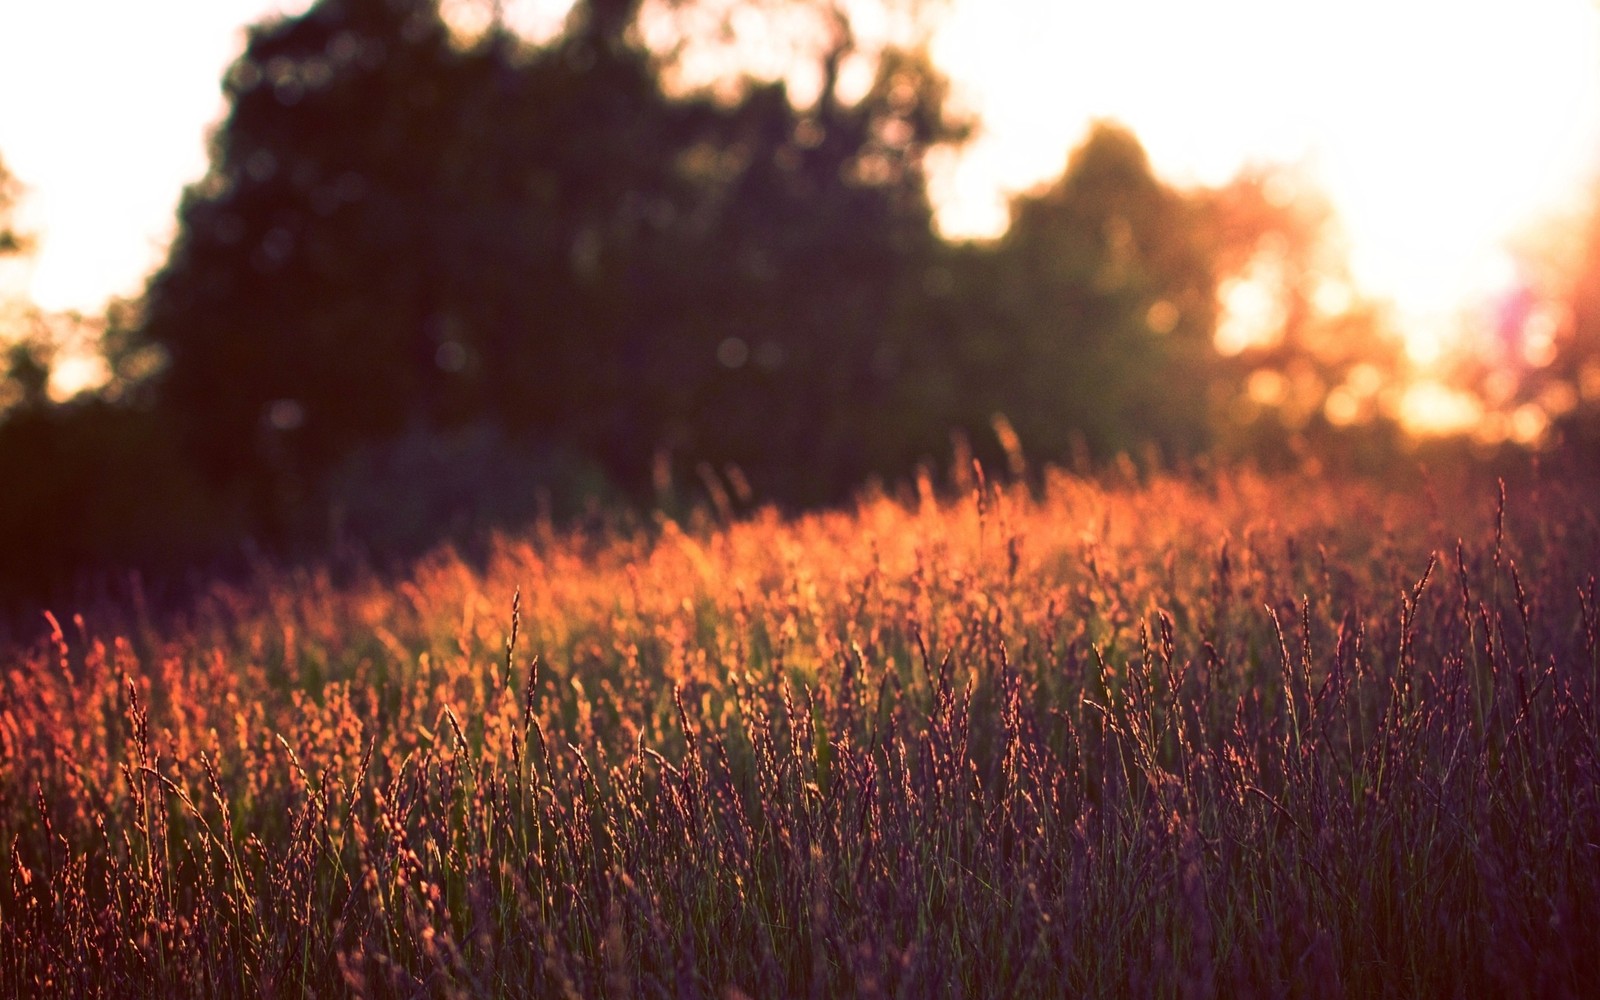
443	267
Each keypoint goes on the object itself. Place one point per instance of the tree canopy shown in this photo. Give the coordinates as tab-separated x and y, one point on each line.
419	255
398	229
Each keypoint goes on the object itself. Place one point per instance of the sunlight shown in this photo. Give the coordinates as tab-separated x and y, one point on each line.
1433	408
1253	311
535	19
1436	129
75	373
1358	398
104	156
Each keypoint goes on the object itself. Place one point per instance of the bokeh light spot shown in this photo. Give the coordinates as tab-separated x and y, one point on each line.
1430	407
733	352
285	414
1162	317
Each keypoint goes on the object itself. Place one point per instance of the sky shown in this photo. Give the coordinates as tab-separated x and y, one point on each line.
1438	129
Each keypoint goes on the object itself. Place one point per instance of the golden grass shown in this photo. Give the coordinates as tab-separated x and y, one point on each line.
1217	734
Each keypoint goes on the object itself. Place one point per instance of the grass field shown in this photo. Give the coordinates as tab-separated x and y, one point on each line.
1209	735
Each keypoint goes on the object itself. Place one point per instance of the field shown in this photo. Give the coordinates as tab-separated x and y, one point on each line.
1202	735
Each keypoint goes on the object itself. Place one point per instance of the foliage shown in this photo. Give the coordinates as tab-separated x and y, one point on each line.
400	230
1308	372
95	490
26	371
301	292
1551	348
1091	320
1208	736
11	241
634	289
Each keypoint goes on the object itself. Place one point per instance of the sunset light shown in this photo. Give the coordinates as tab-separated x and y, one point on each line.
1439	130
767	498
1440	133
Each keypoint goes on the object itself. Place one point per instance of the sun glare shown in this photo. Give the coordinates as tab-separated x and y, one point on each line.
1437	129
1434	408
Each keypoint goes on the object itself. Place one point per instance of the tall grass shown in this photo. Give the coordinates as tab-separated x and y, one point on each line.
1208	736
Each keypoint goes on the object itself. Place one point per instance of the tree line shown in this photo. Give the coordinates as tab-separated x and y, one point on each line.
434	282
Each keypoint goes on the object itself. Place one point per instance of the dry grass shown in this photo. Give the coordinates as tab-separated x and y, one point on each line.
1203	736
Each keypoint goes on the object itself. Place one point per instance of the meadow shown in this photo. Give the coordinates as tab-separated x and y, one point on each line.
1209	734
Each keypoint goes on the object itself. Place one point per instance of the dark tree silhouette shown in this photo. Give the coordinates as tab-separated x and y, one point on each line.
1089	323
820	235
400	229
301	293
473	269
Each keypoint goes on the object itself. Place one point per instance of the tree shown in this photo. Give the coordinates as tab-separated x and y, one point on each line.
1090	321
1092	324
1541	365
11	241
302	291
401	229
1309	365
90	484
28	351
817	240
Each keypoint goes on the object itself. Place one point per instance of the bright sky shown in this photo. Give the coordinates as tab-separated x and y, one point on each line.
1438	128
